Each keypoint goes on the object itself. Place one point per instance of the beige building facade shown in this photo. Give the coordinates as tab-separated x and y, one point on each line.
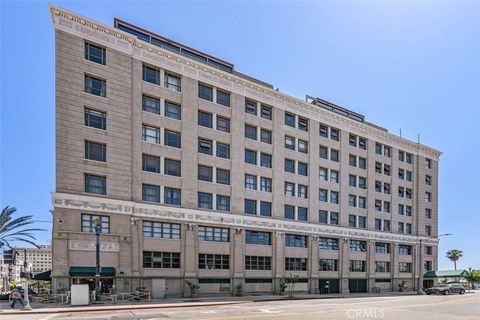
200	173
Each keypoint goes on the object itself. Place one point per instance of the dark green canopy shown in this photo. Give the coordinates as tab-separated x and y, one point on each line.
44	276
446	274
90	271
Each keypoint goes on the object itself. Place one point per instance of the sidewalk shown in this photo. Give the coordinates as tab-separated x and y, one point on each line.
39	308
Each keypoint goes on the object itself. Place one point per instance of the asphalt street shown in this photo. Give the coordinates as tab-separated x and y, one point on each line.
436	307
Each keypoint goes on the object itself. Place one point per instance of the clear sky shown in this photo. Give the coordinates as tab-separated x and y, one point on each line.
409	65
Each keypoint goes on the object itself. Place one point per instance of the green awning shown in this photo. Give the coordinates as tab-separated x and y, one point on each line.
44	276
90	271
446	274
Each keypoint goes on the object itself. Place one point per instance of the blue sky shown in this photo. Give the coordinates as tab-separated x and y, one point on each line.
409	65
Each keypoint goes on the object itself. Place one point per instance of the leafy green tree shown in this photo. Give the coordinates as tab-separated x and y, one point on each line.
13	229
454	255
473	277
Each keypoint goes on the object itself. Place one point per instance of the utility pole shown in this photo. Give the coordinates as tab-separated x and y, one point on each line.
98	228
27	276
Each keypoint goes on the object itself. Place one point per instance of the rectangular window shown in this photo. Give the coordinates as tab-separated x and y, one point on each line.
266	112
428	213
323	216
213	261
250	206
295	240
258	263
302	124
172	196
150	104
295	264
362	222
428	197
205	92
302	146
223	176
213	234
334	134
323	174
352	221
258	237
289	212
334	197
404	267
362	163
172	139
151	75
352	180
290	143
428	163
95	184
95	119
352	160
173	167
150	163
362	143
381	247
95	151
265	184
357	245
428	250
382	266
223	98
405	250
289	189
173	82
161	230
250	156
302	213
328	265
323	151
150	193
428	231
334	218
352	140
95	53
223	124
266	136
205	200
323	131
378	148
151	134
387	151
265	160
378	224
290	120
251	107
323	195
428	180
302	168
290	165
352	200
334	155
265	208
205	119
250	182
357	266
168	260
223	203
250	132
205	173
95	86
223	150
205	146
89	222
328	244
362	202
362	182
173	110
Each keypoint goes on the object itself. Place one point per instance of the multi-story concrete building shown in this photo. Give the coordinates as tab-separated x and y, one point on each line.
198	172
13	264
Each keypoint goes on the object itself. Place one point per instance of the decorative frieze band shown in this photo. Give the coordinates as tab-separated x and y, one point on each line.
86	245
128	44
192	217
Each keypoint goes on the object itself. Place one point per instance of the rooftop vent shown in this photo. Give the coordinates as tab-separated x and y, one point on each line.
334	108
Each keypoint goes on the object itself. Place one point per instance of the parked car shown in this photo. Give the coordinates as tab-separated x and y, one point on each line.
445	289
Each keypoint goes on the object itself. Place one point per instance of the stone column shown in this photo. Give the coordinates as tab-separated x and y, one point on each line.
371	265
238	254
313	268
344	264
278	242
190	256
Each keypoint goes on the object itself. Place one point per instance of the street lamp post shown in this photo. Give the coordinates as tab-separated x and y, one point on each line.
98	228
27	276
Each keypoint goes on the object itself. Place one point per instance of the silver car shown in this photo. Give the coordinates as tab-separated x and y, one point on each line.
445	289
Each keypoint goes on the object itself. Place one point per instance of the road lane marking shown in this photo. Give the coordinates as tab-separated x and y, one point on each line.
50	316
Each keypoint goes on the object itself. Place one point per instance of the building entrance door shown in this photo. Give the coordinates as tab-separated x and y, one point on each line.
326	286
158	288
358	285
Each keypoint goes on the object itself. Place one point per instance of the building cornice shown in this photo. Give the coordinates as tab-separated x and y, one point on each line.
192	216
109	36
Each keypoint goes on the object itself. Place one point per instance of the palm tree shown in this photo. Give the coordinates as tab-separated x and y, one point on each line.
11	228
454	255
